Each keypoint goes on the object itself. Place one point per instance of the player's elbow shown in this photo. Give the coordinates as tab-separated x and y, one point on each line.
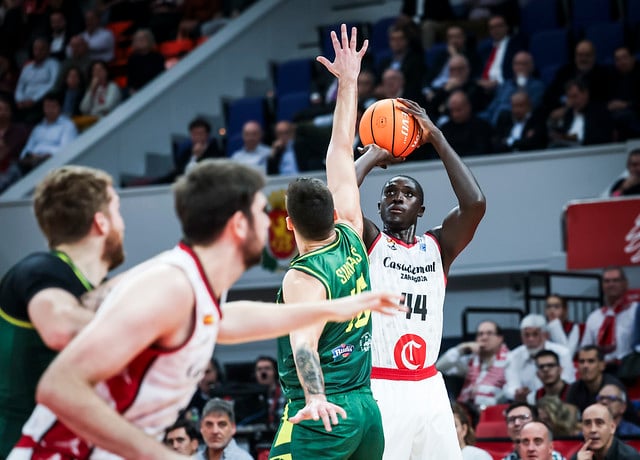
46	391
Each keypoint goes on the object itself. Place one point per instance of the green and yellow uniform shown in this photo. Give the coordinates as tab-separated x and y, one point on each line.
345	357
23	354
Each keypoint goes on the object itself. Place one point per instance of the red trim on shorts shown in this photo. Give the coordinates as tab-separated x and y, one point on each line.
403	374
26	442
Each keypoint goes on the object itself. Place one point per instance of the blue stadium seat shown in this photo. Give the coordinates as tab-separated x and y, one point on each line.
585	13
290	104
234	143
632	12
292	76
539	15
239	111
549	47
548	73
431	53
606	38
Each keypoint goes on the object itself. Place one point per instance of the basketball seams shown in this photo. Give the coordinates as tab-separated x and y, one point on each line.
393	131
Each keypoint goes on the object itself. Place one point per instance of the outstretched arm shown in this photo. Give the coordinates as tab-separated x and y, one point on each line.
341	177
298	286
460	224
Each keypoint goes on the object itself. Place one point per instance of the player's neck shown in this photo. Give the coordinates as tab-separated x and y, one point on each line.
222	265
305	246
87	258
407	235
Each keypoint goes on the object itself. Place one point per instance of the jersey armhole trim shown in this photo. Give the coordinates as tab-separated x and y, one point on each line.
14	321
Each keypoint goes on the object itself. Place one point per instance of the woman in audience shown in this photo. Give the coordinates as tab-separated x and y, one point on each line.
103	94
72	89
466	435
561	417
560	329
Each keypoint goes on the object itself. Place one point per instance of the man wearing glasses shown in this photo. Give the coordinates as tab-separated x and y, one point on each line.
549	372
615	398
517	415
482	364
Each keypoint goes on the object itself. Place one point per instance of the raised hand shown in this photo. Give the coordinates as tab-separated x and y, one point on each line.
348	58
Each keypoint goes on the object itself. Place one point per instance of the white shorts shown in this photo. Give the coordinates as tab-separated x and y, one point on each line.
417	419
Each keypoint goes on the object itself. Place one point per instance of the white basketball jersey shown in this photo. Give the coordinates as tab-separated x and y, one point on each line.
408	342
152	389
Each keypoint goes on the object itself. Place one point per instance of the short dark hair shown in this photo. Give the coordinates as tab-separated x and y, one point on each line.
551	353
562	300
578	83
310	207
219	406
597	349
189	428
267	358
53	96
200	122
212	191
516	404
499	331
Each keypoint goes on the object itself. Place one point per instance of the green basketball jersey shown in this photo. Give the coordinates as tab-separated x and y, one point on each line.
344	348
23	354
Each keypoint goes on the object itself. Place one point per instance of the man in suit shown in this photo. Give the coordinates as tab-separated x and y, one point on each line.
497	59
521	129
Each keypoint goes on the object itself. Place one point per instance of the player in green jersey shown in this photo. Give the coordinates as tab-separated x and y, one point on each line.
40	310
325	368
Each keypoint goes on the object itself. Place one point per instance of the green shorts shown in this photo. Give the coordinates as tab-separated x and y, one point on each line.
358	437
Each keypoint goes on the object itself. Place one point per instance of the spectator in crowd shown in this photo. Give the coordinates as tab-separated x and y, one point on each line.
100	40
438	73
629	183
145	63
194	14
8	75
283	156
497	64
459	80
266	373
77	56
521	369
598	430
615	398
211	380
521	128
624	94
366	88
582	120
482	364
13	137
561	417
407	57
610	327
521	79
60	36
73	14
218	426
584	68
182	437
430	18
49	136
164	19
466	435
591	378
549	371
36	79
536	441
391	85
72	90
253	152
517	415
103	94
560	329
467	134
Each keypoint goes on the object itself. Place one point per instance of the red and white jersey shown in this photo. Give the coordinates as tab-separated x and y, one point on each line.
407	346
151	390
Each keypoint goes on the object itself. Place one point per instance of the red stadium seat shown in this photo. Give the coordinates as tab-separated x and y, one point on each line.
493	429
493	413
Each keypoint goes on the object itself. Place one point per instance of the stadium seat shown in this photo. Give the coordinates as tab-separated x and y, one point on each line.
493	413
241	110
632	12
175	48
497	449
548	73
606	37
538	15
431	53
585	13
290	104
292	76
549	47
567	447
492	430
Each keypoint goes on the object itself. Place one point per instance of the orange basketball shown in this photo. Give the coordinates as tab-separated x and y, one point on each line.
385	125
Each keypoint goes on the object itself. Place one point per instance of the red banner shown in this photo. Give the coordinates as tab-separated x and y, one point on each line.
602	233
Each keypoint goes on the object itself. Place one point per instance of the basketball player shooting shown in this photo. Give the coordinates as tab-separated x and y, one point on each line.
416	414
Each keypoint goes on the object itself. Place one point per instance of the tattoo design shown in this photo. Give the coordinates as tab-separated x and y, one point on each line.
309	371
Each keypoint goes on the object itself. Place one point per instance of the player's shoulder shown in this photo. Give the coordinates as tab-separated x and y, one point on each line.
38	262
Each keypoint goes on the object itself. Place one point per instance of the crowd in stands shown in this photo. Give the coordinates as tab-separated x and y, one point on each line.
89	56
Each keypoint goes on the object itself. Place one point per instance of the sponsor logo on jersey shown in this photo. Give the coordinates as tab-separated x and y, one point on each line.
410	352
342	351
365	342
392	244
423	246
208	319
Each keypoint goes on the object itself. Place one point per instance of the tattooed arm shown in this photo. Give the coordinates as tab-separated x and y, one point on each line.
298	287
